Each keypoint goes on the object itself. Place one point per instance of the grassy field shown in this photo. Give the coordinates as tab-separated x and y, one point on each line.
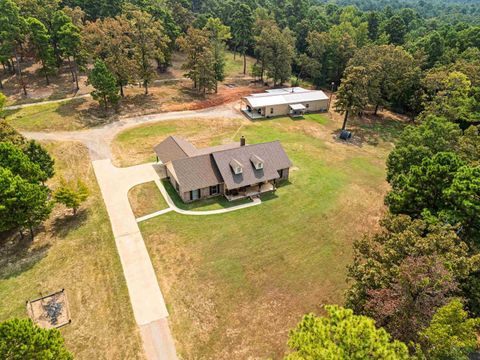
146	199
61	116
78	254
236	283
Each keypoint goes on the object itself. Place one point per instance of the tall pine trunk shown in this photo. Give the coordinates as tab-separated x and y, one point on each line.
45	73
244	63
18	71
345	120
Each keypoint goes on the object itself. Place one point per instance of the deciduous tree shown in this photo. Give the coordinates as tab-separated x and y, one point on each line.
71	194
149	43
352	95
110	39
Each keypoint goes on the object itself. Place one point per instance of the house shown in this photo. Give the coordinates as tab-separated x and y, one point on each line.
234	170
294	101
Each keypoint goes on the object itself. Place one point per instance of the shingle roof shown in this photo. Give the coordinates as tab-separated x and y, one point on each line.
272	154
200	168
196	172
174	148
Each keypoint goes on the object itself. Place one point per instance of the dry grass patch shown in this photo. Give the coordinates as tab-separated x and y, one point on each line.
146	199
78	254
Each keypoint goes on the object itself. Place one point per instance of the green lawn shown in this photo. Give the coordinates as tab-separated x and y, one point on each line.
78	254
236	283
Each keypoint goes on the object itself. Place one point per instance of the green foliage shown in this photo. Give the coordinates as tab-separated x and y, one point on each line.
352	95
72	195
432	136
425	186
451	334
23	204
40	41
149	43
13	158
21	339
38	155
200	64
3	101
342	336
218	34
106	89
276	50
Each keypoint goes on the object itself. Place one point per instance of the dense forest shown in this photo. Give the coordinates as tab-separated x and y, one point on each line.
418	278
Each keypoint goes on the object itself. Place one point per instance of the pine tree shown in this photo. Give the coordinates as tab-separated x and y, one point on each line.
40	41
105	84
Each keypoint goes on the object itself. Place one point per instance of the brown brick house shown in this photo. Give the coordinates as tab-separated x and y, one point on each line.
234	170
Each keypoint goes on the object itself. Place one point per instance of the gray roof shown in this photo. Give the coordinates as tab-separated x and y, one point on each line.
196	172
173	148
200	168
272	154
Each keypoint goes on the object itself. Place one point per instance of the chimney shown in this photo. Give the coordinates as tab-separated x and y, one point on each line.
242	141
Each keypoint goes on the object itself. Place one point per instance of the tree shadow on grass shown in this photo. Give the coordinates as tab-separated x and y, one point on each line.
372	130
18	255
63	225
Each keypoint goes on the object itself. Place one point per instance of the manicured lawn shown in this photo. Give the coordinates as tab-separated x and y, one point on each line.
236	283
146	199
78	254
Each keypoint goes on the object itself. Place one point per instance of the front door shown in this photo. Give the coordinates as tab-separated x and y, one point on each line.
195	194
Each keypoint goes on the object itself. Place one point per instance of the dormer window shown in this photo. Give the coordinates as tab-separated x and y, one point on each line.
257	162
236	166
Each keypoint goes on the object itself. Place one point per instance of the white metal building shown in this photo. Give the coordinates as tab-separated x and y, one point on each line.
293	101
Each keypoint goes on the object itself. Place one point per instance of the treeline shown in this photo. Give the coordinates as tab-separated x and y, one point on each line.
309	40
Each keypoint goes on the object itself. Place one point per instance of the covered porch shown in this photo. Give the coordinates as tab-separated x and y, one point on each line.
251	112
249	191
297	110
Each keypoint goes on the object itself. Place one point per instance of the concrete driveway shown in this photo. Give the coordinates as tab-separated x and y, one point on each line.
145	295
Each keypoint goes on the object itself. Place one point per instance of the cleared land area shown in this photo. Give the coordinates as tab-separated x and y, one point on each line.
236	283
78	254
166	94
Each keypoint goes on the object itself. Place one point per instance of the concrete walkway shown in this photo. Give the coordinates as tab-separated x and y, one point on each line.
173	207
146	298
